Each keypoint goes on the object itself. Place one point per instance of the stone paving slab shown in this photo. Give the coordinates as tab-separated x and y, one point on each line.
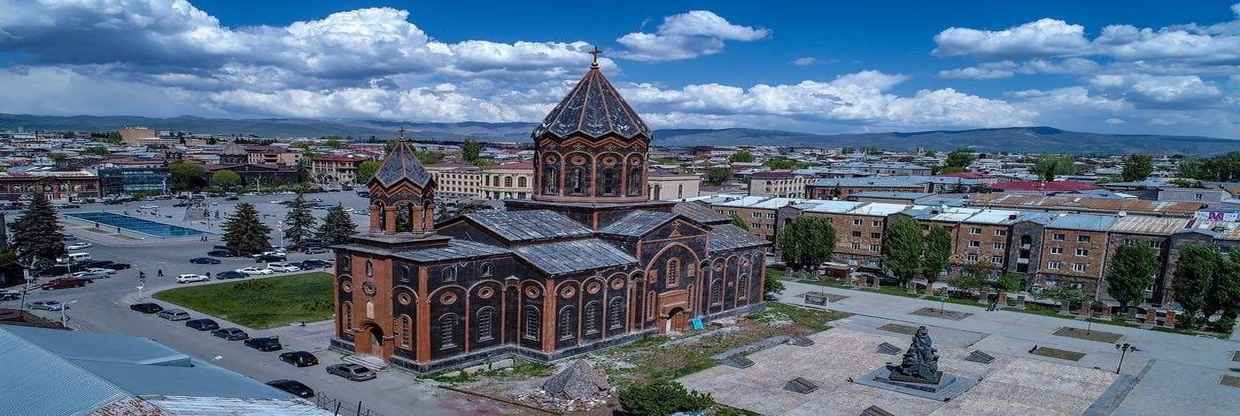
1088	334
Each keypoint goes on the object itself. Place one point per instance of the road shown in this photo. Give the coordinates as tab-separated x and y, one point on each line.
103	306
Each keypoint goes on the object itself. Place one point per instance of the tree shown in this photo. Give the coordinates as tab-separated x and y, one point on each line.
783	163
1192	279
717	176
1137	167
1224	293
334	142
225	179
1048	167
931	153
973	278
806	242
96	150
739	222
471	150
1009	283
937	250
337	226
771	286
1130	271
960	158
366	170
299	223
244	233
37	235
662	398
1067	296
902	251
187	176
741	156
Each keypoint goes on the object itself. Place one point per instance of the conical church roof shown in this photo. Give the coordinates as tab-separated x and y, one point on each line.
402	163
594	109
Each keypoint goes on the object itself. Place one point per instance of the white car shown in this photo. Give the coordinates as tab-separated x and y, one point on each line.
254	271
191	278
93	273
283	267
47	305
78	246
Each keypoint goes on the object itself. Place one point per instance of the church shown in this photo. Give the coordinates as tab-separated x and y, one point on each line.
589	262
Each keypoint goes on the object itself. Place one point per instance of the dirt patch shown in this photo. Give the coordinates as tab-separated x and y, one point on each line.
1230	380
899	329
1088	335
942	313
1058	353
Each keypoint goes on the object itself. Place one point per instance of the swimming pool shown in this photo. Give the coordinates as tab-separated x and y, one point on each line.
136	224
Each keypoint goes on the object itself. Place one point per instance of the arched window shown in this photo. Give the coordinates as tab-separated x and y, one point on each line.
486	269
650	305
447	331
673	272
448	274
592	312
716	292
370	268
485	319
680	191
567	326
404	331
615	314
532	323
346	315
551	175
577	181
742	287
609	176
521	182
507	181
635	176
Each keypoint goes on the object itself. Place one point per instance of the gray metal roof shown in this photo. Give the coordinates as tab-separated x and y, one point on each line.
99	346
37	382
574	256
530	225
216	406
593	109
402	163
700	212
1086	222
730	237
638	223
202	379
456	249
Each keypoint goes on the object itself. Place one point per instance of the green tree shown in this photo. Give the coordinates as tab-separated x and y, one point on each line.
37	235
717	176
1009	283
245	233
1048	167
1130	271
1224	293
902	249
771	287
366	170
334	142
427	157
960	158
973	277
1137	167
1068	297
96	150
935	254
931	153
783	163
299	223
739	222
1190	167
226	179
1194	271
806	242
662	398
337	226
187	176
741	156
471	150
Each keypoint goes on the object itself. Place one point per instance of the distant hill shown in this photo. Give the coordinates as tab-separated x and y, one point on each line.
1012	139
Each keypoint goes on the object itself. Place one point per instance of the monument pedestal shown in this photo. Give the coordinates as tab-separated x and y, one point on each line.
948	387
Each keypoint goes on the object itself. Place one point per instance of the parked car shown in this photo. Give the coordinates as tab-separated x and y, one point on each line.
204	260
79	246
65	283
270	257
47	305
147	308
314	250
90	274
231	274
113	265
202	324
282	267
221	253
314	264
174	314
265	344
292	387
231	334
68	206
9	294
351	371
191	278
300	358
70	237
254	271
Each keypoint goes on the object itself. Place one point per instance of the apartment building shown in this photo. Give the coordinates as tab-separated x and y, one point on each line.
513	180
54	185
456	181
758	212
1074	252
984	238
336	169
272	155
784	184
842	188
670	186
886	168
1154	232
859	227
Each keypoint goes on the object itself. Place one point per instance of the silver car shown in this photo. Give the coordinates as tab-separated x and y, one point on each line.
174	314
47	305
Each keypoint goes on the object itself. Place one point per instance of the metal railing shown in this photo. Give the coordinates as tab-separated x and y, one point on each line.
343	407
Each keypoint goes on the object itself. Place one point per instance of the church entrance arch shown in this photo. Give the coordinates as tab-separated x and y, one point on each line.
369	340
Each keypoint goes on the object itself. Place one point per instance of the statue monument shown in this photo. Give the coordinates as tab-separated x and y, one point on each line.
920	363
918	373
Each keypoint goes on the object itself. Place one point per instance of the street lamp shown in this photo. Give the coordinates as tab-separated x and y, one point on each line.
1123	350
27	264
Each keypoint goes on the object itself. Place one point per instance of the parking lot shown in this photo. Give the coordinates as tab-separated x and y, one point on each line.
104	306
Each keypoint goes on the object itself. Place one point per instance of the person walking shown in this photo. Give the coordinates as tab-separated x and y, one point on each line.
159	273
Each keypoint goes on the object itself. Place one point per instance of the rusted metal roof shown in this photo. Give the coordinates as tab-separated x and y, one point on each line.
1145	224
1083	203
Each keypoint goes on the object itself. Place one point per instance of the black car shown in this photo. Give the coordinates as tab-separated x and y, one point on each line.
231	334
221	253
299	358
292	387
268	258
351	371
314	250
231	274
204	260
147	308
264	344
203	324
113	265
314	264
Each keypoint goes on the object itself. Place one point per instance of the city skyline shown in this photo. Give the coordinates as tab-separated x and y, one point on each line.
812	68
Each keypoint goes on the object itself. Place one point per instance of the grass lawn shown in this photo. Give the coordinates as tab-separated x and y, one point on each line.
260	303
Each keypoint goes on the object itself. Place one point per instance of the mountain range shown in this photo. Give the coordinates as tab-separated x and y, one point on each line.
1010	139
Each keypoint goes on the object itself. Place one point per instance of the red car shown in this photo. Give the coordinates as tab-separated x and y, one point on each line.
65	283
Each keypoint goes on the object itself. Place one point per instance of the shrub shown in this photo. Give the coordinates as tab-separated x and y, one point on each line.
662	398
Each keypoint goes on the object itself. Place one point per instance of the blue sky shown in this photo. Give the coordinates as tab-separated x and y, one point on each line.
1122	67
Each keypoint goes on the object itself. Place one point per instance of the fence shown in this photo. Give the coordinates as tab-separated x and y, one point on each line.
343	407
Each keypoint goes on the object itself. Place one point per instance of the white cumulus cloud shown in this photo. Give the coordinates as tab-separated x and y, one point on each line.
687	35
